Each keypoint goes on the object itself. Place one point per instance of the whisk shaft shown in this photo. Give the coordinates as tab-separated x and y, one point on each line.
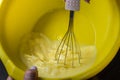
70	40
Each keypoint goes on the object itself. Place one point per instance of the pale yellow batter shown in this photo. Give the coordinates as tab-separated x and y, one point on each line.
38	50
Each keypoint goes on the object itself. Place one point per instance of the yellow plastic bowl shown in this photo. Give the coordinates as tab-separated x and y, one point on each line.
18	17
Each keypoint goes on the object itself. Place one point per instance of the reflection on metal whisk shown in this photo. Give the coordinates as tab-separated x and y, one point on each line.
68	45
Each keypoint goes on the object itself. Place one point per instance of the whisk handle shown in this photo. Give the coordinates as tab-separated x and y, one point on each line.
72	5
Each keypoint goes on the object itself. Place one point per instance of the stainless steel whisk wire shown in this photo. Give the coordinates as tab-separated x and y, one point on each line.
68	40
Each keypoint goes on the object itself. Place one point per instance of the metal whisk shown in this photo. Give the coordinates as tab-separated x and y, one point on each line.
68	44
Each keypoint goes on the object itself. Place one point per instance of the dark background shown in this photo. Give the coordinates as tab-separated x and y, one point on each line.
111	72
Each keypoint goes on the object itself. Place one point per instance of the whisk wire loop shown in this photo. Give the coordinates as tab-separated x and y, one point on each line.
68	45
